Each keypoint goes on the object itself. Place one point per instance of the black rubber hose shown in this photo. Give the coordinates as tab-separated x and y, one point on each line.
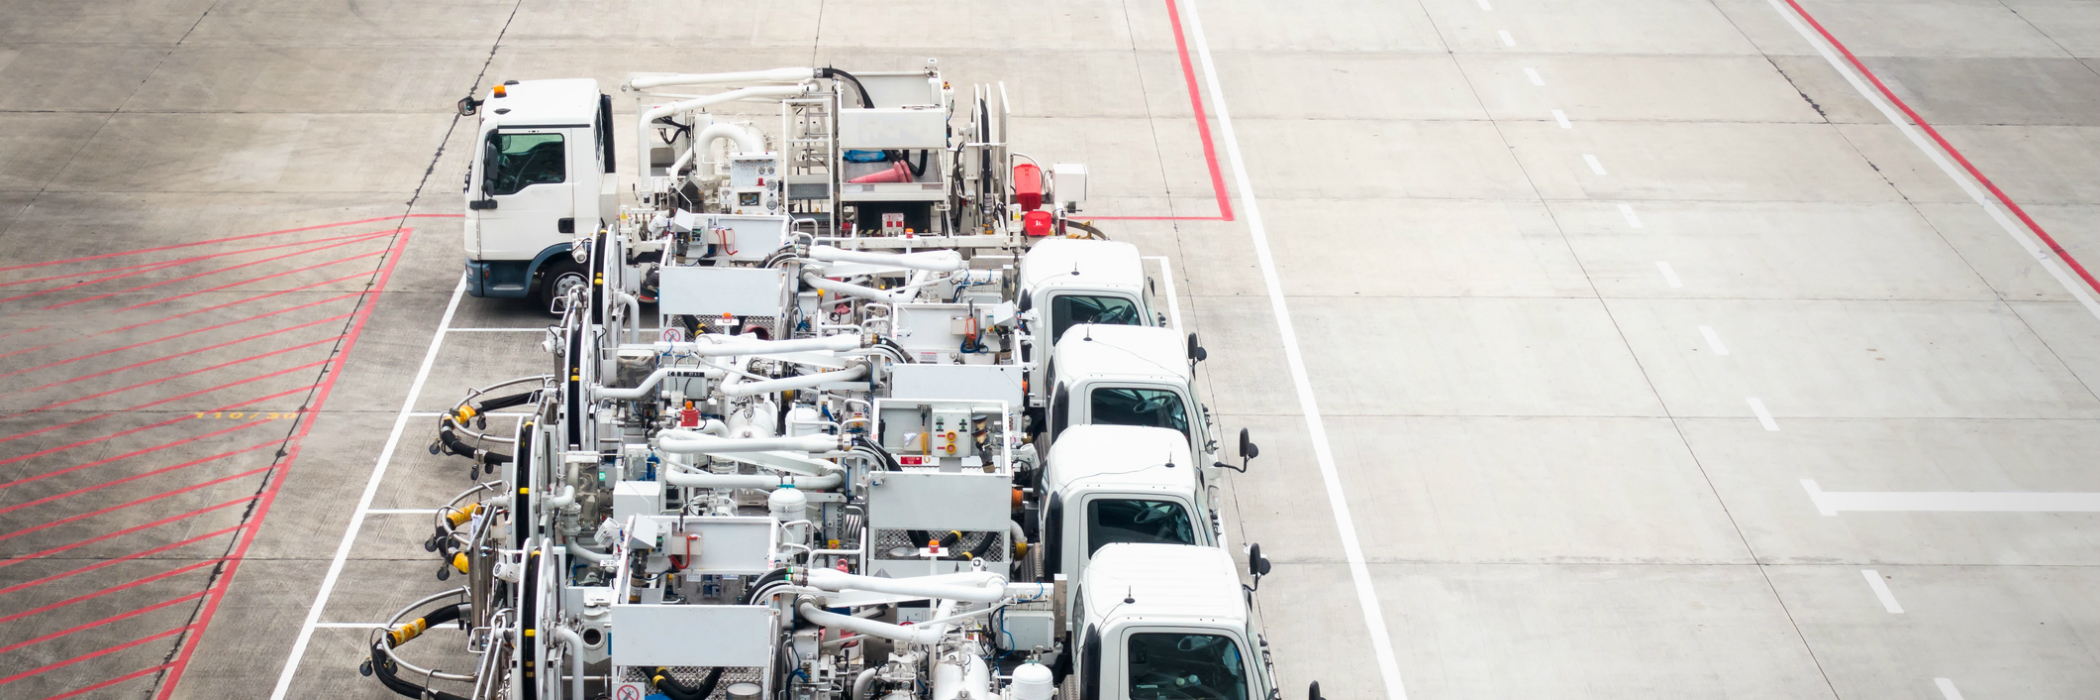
671	688
382	663
866	100
1095	232
454	445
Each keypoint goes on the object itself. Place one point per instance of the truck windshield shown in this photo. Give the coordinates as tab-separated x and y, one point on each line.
1130	520
1172	666
1157	408
516	161
1069	309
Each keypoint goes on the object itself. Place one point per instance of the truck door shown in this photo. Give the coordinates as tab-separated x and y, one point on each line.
526	195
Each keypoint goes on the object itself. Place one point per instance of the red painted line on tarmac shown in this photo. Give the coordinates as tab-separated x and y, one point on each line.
113	562
11	334
91	655
171	399
104	621
142	428
11	561
268	496
112	589
185	353
209	273
135	477
128	455
164	338
250	281
173	377
1210	152
215	307
113	681
149	267
1951	150
134	502
227	239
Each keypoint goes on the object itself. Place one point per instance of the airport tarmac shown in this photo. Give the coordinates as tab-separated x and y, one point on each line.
1616	349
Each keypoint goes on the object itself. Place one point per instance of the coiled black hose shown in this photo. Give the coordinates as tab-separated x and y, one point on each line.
382	662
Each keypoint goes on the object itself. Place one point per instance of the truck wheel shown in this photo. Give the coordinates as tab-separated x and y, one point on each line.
561	275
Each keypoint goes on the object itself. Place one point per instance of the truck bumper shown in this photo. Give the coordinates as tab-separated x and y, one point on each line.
502	279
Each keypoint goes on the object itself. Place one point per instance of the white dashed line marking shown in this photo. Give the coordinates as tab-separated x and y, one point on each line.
1634	220
1562	118
1764	417
1485	7
1881	590
1669	275
1947	688
1714	340
1595	166
1507	40
1533	74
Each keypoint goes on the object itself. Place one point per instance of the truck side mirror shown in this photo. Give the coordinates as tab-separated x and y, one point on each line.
1196	351
468	106
1313	693
1248	451
1257	565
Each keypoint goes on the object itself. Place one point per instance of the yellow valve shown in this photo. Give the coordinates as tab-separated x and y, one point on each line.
1020	550
459	561
407	631
457	516
465	413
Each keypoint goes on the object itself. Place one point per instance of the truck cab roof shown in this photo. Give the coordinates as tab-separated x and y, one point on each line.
1105	351
1089	264
1165	583
571	102
1122	457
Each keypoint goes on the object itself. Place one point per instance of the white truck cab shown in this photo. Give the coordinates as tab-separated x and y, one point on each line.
1125	375
1065	281
542	172
1166	622
1106	484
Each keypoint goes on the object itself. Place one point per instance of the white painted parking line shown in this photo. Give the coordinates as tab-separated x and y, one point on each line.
349	625
364	503
1713	339
1881	590
1632	219
1533	74
1485	7
1562	118
401	511
540	329
1947	688
1997	212
1596	166
1507	40
1764	417
1834	502
1669	275
1294	360
1166	273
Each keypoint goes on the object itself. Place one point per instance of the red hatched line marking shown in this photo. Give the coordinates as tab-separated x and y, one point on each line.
128	455
228	239
164	319
119	560
170	399
2047	240
185	353
128	504
229	268
11	561
142	428
104	621
251	280
136	477
112	589
268	496
171	377
91	655
143	268
165	338
108	683
1210	152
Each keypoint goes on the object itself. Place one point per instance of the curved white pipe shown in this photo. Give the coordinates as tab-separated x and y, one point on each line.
770	75
753	481
703	142
650	382
575	644
729	345
769	92
933	260
990	587
585	553
743	388
855	290
916	634
689	442
968	678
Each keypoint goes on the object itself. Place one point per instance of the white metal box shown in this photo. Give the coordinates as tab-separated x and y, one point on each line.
713	291
665	635
893	127
632	498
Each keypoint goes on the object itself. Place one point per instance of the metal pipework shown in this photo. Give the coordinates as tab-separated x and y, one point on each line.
855	290
687	442
575	644
746	142
646	119
762	482
931	261
987	587
916	634
749	77
727	346
741	388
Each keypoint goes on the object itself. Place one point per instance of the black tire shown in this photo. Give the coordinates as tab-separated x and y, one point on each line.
555	277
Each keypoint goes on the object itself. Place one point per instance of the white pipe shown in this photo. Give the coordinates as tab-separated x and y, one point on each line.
703	142
934	260
741	388
586	553
688	442
855	290
863	683
916	634
752	481
726	345
650	382
966	677
560	501
771	75
771	92
990	588
575	644
634	315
